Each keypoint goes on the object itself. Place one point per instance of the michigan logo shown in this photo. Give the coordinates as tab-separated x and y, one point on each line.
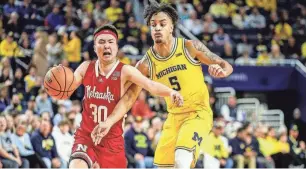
197	138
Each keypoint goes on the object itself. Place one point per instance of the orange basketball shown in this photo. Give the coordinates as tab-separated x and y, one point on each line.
59	81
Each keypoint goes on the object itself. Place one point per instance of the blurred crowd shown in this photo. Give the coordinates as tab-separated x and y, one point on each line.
37	131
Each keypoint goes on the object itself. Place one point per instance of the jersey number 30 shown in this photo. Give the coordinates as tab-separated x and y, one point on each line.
98	111
174	82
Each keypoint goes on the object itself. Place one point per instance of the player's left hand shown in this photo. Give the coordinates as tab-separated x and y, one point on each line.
217	71
100	131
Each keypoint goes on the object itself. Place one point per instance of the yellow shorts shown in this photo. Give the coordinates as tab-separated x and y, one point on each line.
182	131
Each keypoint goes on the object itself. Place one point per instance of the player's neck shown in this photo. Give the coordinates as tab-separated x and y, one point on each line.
164	49
106	67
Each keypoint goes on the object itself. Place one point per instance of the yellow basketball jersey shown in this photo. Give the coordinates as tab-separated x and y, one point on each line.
183	73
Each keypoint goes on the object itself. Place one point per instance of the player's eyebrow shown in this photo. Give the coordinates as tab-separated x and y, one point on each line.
162	20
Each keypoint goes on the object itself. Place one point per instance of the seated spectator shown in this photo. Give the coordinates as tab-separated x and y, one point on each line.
292	49
22	140
229	52
60	116
209	25
237	145
220	38
215	146
15	107
263	57
284	30
297	147
256	20
14	24
193	24
244	45
184	8
30	78
267	147
229	111
55	19
9	8
64	141
303	49
18	85
138	145
245	59
43	103
44	144
219	9
4	99
276	55
54	49
10	157
240	19
112	13
8	47
154	132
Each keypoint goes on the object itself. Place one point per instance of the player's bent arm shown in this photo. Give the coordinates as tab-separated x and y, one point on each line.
201	52
128	99
79	74
133	75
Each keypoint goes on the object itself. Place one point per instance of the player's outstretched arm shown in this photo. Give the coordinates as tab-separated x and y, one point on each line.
218	67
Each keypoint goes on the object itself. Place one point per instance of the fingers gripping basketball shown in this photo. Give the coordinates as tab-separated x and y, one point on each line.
58	82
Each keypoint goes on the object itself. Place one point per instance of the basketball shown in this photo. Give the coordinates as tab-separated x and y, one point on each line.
58	82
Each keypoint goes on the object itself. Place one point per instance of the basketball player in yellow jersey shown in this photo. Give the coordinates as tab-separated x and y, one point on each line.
175	62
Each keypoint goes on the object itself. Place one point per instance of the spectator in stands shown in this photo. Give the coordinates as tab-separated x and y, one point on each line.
245	59
5	77
299	26
39	58
8	47
244	45
141	107
15	107
55	19
297	147
229	111
276	55
112	13
256	20
132	34
10	157
301	125
216	147
19	83
27	10
238	148
267	145
60	116
263	57
138	145
72	49
64	141
292	49
54	49
229	52
284	30
272	21
184	9
240	19
193	24
98	11
43	103
26	51
220	38
4	99
44	144
86	31
154	132
34	124
14	24
22	140
219	9
9	8
209	25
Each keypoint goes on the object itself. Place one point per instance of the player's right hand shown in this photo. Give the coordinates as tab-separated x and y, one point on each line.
177	98
100	131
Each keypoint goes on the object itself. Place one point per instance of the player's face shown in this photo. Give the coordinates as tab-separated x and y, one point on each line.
106	47
161	27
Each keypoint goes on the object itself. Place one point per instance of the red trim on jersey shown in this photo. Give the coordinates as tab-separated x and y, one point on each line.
106	32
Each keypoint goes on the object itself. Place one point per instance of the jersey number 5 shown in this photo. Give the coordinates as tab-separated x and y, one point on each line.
174	82
97	112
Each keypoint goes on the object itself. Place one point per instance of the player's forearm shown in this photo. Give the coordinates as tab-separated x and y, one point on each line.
159	89
228	68
125	104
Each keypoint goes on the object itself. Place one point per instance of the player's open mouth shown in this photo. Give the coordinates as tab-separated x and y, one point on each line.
158	35
106	54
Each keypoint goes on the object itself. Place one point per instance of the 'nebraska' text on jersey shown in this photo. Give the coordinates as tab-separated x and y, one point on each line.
102	93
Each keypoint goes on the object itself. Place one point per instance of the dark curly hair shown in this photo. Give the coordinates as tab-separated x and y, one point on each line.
155	7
